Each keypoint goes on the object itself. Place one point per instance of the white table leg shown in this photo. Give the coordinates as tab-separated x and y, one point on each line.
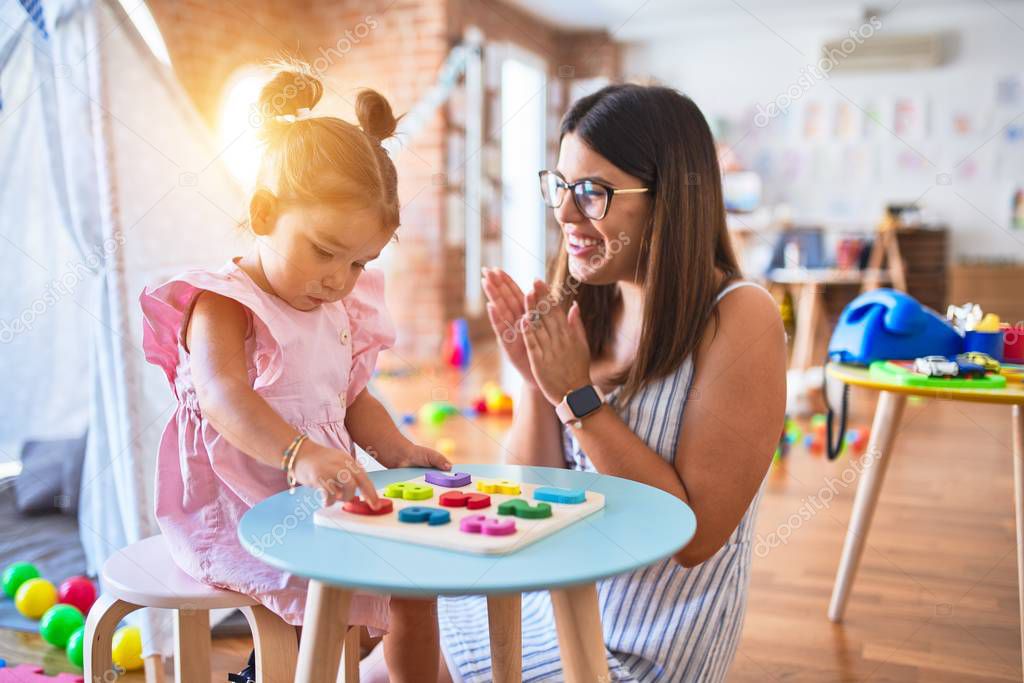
578	621
323	633
1018	501
876	461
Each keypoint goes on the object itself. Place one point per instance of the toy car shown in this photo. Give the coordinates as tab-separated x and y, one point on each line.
970	369
978	358
936	366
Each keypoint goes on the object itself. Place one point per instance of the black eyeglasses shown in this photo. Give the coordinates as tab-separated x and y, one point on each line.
592	198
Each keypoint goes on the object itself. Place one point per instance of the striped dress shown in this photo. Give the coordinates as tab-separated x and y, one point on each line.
661	623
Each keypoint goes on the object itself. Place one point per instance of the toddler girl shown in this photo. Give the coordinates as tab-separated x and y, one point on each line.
269	358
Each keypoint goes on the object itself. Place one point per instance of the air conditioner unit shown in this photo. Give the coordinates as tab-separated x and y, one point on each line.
881	52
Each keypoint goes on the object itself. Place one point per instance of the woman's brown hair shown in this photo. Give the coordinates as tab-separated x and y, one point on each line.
659	136
324	158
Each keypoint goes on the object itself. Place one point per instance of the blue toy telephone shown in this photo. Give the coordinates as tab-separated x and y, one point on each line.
886	324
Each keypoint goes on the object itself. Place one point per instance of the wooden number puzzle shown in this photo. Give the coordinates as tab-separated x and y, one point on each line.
456	511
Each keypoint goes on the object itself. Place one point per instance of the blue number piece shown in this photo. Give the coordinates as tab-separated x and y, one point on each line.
417	514
549	494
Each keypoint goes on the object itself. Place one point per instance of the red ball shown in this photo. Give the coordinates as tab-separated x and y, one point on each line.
78	591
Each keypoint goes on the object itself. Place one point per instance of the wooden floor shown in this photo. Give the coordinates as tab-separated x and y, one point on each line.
936	597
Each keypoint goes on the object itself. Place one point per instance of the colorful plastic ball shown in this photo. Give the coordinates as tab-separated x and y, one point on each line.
59	622
496	401
445	446
78	591
504	405
76	647
127	648
408	419
34	597
17	574
436	412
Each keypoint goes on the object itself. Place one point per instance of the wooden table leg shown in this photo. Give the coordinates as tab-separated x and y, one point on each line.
192	645
103	618
1018	501
323	633
505	618
350	662
274	643
153	669
876	461
808	314
578	620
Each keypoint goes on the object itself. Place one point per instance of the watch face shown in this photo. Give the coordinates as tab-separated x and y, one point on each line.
583	401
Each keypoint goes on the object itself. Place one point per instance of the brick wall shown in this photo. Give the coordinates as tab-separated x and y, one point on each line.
395	47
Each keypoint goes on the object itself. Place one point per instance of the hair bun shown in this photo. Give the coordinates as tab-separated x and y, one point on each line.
375	115
293	87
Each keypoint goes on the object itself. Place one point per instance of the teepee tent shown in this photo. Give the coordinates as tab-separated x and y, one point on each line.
109	181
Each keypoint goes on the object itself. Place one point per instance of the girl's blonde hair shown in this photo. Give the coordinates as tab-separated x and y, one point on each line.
324	158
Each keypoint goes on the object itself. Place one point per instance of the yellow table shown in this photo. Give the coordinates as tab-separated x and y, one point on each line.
883	432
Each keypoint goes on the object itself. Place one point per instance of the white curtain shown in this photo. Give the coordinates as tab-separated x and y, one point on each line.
46	286
95	136
78	339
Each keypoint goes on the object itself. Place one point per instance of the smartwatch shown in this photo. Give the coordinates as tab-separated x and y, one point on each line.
578	404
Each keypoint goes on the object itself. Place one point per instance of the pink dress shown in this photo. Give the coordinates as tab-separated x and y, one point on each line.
308	365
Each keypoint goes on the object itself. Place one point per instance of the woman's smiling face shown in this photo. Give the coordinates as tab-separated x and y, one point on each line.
607	250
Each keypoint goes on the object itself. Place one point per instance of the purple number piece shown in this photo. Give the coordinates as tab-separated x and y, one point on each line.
481	524
449	480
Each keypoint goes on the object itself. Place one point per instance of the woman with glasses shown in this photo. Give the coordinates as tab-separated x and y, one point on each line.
646	357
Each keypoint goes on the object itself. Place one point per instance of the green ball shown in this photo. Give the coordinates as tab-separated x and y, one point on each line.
58	623
76	643
17	574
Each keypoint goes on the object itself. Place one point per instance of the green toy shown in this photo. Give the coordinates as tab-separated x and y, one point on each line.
58	623
891	372
17	574
408	491
436	412
520	508
76	643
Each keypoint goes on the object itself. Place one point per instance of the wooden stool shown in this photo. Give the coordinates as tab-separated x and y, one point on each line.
144	575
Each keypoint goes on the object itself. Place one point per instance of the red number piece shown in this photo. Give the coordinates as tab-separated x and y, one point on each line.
458	499
358	506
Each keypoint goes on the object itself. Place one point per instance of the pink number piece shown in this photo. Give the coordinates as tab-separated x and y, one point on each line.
491	526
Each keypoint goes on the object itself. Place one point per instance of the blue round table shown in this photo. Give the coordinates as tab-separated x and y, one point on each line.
638	526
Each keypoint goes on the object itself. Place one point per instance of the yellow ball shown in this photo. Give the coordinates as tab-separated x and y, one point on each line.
492	391
127	648
34	597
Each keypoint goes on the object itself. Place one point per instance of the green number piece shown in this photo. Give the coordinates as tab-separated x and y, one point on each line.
408	490
520	508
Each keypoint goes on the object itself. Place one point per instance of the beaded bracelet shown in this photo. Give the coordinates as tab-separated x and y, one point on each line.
288	460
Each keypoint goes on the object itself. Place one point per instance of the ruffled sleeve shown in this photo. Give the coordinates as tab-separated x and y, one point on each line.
165	310
371	327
